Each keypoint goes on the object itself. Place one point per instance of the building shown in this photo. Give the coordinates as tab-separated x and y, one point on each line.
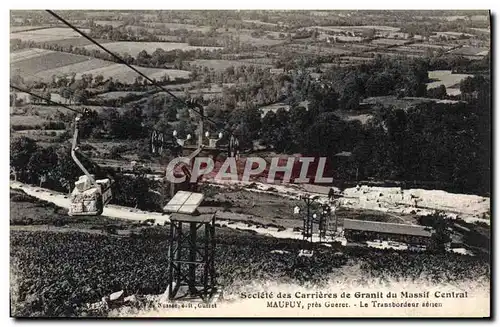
362	230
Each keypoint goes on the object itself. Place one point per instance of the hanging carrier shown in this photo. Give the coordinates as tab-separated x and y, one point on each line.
89	196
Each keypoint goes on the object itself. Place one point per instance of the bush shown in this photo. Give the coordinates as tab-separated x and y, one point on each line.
145	156
23	198
86	147
59	222
54	125
111	230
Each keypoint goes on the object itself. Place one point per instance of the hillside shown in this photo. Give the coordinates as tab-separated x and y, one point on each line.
67	260
40	64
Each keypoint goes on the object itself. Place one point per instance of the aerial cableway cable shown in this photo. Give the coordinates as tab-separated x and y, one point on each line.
191	105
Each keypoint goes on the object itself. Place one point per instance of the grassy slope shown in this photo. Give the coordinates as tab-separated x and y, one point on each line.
54	273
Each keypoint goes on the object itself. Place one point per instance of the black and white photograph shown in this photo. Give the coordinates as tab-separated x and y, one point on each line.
250	163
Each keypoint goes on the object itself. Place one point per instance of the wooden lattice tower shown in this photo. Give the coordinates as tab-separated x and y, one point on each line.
191	269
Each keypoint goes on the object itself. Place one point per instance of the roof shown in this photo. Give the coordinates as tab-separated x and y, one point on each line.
185	202
388	228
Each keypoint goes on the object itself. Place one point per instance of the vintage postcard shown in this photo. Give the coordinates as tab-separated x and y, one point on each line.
250	163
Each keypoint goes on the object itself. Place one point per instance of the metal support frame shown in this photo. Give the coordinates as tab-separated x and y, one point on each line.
74	150
324	223
307	231
338	224
191	269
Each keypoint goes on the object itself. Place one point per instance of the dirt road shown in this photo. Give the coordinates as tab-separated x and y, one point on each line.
114	211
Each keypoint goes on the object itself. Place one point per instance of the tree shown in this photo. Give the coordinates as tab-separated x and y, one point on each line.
42	164
380	84
21	150
248	124
269	125
471	84
67	171
131	191
322	97
88	123
143	58
98	79
369	33
132	123
437	92
441	236
299	121
66	93
80	96
34	99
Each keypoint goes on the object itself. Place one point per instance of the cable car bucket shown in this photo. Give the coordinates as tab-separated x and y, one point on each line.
89	195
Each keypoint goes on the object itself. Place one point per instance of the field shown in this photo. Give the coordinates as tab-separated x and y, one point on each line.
362	116
38	64
152	26
25	120
17	29
482	30
388	41
276	106
26	54
82	67
317	49
357	28
446	78
246	37
219	65
75	42
470	51
430	45
133	48
47	34
114	23
122	73
117	94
